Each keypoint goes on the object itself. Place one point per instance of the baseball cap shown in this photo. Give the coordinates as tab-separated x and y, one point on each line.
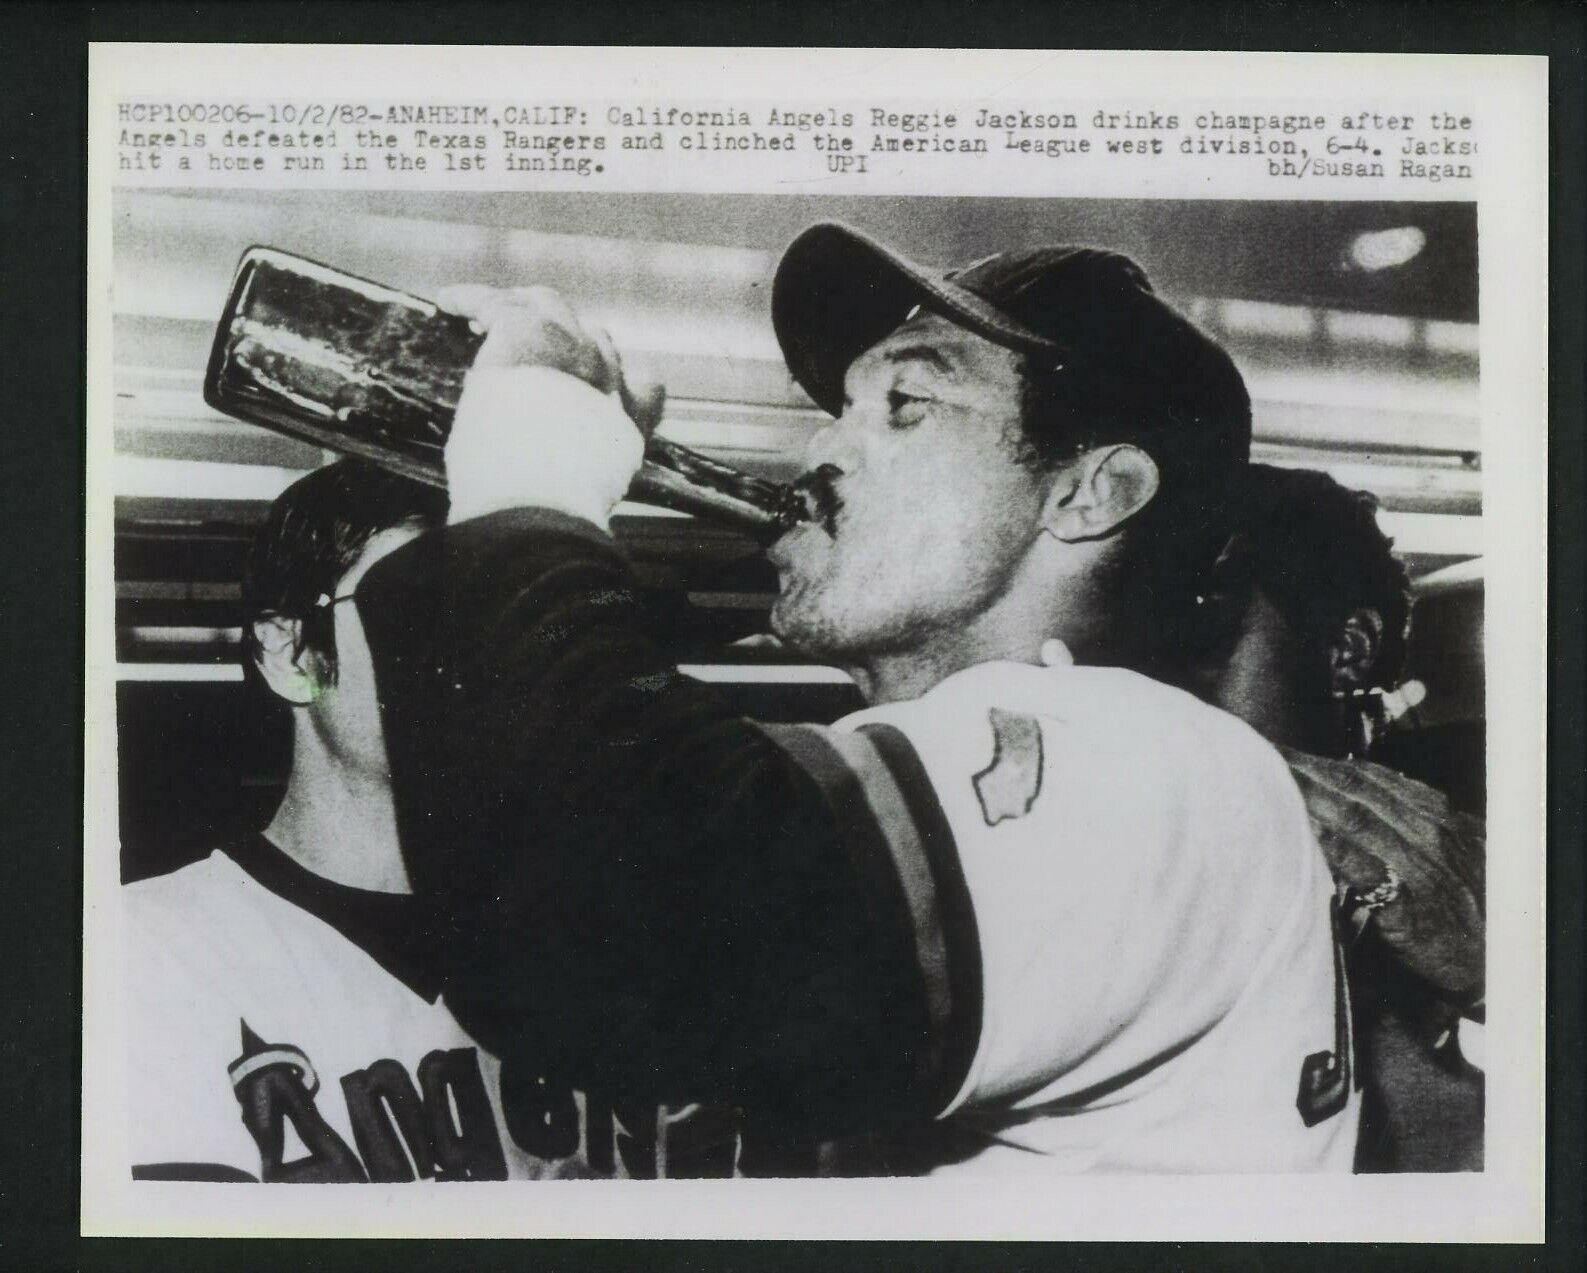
1087	312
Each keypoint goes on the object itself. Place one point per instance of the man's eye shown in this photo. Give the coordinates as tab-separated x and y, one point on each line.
905	409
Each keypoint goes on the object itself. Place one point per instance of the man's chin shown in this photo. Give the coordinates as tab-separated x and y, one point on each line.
785	626
799	626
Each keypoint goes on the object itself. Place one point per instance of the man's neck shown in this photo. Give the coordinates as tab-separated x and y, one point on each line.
895	678
338	825
1271	682
1013	630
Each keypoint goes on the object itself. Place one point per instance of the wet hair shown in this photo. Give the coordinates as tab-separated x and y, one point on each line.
314	532
1315	550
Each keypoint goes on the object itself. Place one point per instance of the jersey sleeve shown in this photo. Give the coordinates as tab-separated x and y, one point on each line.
679	904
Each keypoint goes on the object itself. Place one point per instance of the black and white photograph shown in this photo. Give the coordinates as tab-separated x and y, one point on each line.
975	689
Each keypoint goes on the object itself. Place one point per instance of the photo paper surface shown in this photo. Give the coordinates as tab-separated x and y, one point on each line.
958	698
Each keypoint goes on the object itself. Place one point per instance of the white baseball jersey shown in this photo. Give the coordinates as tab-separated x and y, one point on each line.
1161	989
267	1043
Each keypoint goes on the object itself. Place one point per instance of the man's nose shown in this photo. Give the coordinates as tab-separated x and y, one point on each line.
834	443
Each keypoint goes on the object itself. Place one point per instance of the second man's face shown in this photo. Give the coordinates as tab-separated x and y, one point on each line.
927	509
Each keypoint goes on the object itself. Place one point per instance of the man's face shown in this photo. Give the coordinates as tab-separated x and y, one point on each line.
931	511
347	711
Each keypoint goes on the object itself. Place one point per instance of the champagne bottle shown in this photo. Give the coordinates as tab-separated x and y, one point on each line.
370	371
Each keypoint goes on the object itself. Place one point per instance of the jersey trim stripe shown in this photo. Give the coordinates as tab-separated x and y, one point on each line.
906	844
956	912
885	803
813	749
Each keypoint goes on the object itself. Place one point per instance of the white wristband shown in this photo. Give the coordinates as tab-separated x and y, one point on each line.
536	437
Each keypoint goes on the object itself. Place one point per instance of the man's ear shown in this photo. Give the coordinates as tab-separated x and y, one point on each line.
1098	492
284	661
1353	653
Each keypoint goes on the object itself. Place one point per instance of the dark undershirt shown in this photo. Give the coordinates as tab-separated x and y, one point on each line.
388	927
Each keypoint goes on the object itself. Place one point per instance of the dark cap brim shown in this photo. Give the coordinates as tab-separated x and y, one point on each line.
837	292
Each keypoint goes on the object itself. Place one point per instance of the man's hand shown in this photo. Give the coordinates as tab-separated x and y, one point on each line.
1419	865
547	417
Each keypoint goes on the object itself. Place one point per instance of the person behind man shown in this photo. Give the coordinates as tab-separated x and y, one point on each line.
1309	612
1020	914
284	1017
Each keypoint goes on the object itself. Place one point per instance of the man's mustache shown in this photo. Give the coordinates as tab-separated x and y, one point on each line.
818	489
